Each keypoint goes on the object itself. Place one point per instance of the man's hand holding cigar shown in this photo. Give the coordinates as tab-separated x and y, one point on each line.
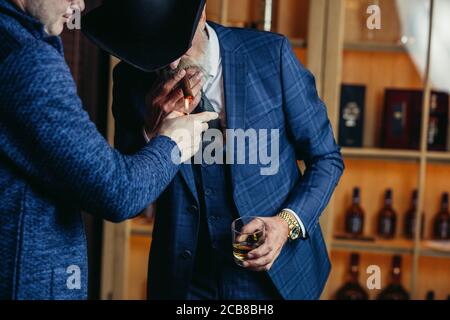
169	102
170	97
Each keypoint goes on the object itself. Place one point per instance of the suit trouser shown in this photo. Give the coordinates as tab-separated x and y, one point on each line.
229	283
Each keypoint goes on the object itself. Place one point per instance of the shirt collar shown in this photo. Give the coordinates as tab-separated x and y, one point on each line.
214	52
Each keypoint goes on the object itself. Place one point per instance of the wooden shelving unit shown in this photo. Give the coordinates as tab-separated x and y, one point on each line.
374	47
377	246
438	156
435	249
394	154
378	64
378	153
326	36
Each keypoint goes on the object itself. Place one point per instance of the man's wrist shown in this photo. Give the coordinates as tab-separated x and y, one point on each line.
296	230
285	225
300	222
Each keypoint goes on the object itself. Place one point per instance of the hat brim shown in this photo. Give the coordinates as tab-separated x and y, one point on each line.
148	55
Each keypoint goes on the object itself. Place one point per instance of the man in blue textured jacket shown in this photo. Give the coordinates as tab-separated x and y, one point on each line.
53	161
256	84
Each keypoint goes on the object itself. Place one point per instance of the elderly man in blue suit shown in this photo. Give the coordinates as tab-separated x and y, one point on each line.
254	81
54	163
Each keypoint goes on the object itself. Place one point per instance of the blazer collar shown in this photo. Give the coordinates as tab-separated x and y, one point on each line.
234	65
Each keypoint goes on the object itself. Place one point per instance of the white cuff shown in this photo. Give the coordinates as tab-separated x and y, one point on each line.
302	226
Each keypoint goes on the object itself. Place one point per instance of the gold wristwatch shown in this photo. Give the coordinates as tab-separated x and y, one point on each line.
294	227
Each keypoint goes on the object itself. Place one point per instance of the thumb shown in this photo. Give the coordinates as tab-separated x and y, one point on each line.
205	116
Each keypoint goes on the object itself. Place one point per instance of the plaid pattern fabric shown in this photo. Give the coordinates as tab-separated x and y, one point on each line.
265	88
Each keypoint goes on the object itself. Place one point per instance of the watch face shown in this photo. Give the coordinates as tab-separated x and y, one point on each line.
295	233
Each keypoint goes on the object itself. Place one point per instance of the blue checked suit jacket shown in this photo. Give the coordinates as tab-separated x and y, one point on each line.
265	88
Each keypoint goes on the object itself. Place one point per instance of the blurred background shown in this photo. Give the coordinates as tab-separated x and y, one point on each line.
387	93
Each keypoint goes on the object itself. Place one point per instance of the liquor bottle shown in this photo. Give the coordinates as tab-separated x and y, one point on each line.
437	132
352	290
395	290
387	218
430	295
409	229
354	218
442	221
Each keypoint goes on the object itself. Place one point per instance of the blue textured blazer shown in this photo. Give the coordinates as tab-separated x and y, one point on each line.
54	162
265	88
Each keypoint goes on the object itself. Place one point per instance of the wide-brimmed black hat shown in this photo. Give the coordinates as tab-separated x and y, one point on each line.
148	34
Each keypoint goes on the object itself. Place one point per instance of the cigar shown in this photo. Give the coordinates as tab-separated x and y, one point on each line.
187	92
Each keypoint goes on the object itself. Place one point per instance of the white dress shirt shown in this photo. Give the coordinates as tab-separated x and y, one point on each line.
214	91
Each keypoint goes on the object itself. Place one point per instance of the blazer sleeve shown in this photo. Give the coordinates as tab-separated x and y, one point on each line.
308	124
49	139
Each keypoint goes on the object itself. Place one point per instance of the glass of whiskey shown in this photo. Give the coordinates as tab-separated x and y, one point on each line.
248	233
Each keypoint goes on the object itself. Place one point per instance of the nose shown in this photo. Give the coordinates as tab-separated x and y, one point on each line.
175	64
81	5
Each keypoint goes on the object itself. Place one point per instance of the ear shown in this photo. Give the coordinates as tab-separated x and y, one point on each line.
203	18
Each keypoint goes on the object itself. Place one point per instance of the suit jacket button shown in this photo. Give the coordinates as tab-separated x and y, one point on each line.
193	209
186	254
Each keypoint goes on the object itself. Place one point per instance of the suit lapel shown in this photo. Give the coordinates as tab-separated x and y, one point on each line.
234	80
234	66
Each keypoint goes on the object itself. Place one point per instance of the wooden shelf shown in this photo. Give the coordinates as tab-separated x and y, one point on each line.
375	47
396	246
431	248
378	153
141	227
394	154
438	156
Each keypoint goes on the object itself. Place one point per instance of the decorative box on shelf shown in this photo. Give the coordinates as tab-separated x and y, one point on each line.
402	120
351	122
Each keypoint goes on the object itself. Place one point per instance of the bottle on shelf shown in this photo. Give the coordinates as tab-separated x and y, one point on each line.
409	229
352	290
354	217
387	218
395	290
442	221
430	295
